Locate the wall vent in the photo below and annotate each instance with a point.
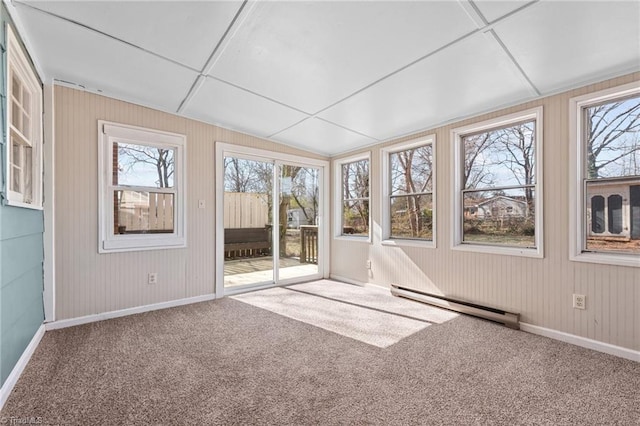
(509, 319)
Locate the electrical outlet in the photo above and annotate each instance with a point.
(579, 301)
(201, 204)
(153, 278)
(368, 264)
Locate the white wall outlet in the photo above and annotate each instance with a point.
(153, 278)
(201, 204)
(368, 264)
(579, 301)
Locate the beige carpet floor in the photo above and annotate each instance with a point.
(231, 362)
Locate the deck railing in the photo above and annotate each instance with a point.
(308, 244)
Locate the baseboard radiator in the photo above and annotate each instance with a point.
(509, 319)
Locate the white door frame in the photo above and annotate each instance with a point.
(225, 149)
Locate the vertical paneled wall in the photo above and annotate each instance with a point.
(540, 289)
(91, 283)
(21, 257)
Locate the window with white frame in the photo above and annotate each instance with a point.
(142, 188)
(498, 185)
(606, 219)
(24, 129)
(408, 185)
(352, 189)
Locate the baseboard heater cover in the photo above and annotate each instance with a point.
(509, 319)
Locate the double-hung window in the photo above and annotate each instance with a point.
(605, 129)
(352, 204)
(142, 188)
(24, 129)
(408, 185)
(498, 185)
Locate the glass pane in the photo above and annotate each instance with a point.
(355, 218)
(615, 214)
(16, 116)
(16, 87)
(140, 165)
(138, 212)
(27, 174)
(500, 157)
(26, 99)
(412, 217)
(26, 126)
(500, 217)
(355, 179)
(597, 214)
(248, 218)
(613, 139)
(411, 170)
(299, 209)
(16, 166)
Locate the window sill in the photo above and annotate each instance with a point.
(356, 239)
(14, 203)
(505, 251)
(408, 243)
(141, 244)
(630, 260)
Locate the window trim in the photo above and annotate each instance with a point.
(18, 61)
(457, 204)
(386, 193)
(577, 190)
(109, 242)
(337, 199)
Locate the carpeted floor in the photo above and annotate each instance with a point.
(230, 362)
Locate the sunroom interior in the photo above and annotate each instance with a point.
(473, 152)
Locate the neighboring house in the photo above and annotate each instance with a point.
(297, 218)
(499, 207)
(613, 209)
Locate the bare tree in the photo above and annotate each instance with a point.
(406, 166)
(162, 160)
(475, 162)
(612, 138)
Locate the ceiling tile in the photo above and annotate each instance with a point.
(219, 103)
(471, 77)
(563, 44)
(494, 9)
(186, 32)
(72, 53)
(312, 54)
(322, 137)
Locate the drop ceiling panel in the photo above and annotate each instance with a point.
(72, 53)
(471, 77)
(219, 103)
(311, 54)
(186, 32)
(322, 137)
(494, 9)
(563, 44)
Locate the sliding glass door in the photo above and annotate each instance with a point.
(270, 228)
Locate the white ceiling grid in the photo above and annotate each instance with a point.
(331, 77)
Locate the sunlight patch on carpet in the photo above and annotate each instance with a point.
(358, 313)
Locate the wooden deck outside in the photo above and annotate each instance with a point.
(256, 270)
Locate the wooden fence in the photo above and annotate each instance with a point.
(308, 244)
(245, 210)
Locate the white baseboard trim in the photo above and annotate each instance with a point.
(124, 312)
(358, 283)
(15, 374)
(582, 341)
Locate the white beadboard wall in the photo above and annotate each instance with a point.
(88, 283)
(540, 289)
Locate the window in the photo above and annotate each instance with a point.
(408, 184)
(24, 129)
(142, 187)
(605, 128)
(352, 190)
(498, 184)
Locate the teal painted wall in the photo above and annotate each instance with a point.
(21, 258)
